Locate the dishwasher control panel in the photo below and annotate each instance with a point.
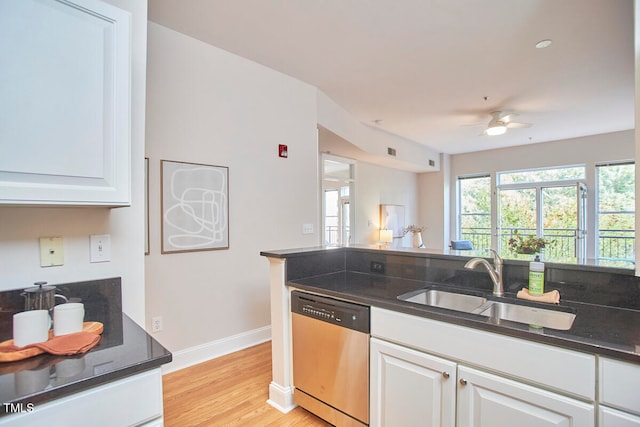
(347, 314)
(312, 311)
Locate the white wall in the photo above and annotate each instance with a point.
(373, 142)
(205, 105)
(434, 209)
(376, 185)
(21, 228)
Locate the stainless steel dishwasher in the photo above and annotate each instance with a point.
(331, 358)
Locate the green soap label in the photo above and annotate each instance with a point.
(536, 282)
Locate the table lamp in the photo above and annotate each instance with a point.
(386, 236)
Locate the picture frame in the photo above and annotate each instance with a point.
(147, 250)
(392, 218)
(194, 207)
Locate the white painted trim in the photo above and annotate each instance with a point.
(202, 353)
(281, 398)
(281, 388)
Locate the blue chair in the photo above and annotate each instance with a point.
(461, 245)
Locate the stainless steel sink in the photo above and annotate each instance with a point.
(496, 311)
(533, 316)
(444, 299)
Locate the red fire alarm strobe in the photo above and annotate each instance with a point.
(283, 151)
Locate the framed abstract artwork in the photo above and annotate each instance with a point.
(194, 207)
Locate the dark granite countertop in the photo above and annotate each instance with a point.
(125, 348)
(599, 329)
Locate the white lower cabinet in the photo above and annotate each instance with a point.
(430, 373)
(619, 393)
(131, 401)
(608, 417)
(410, 388)
(489, 400)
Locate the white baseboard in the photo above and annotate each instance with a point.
(202, 353)
(281, 398)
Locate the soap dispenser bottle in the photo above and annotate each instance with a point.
(536, 276)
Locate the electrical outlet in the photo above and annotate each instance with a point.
(377, 267)
(100, 248)
(156, 324)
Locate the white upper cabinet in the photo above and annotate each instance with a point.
(64, 103)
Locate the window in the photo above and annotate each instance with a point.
(552, 204)
(616, 212)
(547, 203)
(571, 173)
(474, 218)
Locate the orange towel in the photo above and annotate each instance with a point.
(63, 345)
(11, 353)
(552, 297)
(67, 345)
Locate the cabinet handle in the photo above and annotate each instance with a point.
(463, 381)
(446, 375)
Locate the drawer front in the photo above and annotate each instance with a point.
(564, 370)
(130, 401)
(620, 385)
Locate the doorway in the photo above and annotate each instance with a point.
(338, 183)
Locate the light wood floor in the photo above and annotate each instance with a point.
(231, 390)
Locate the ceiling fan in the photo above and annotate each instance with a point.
(501, 121)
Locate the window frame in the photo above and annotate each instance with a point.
(598, 212)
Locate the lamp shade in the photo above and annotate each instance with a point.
(386, 236)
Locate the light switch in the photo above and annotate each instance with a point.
(51, 251)
(100, 248)
(307, 228)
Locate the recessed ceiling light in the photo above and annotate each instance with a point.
(543, 43)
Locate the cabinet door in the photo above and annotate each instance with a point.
(65, 109)
(612, 418)
(490, 401)
(620, 385)
(410, 388)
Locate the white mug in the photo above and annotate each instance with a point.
(68, 318)
(31, 327)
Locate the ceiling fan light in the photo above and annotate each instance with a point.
(496, 130)
(543, 44)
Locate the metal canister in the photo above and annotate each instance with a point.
(41, 297)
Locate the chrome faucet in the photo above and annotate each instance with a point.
(495, 272)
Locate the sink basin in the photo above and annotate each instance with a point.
(534, 316)
(444, 299)
(558, 318)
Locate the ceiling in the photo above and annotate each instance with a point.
(433, 70)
